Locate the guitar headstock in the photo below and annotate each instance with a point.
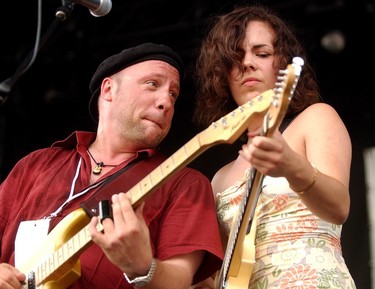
(284, 88)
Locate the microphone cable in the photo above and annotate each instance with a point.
(7, 84)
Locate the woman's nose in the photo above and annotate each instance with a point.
(248, 63)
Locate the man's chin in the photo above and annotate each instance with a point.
(154, 139)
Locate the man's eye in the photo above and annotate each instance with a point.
(173, 94)
(152, 83)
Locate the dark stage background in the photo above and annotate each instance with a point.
(50, 100)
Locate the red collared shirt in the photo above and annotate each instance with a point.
(41, 182)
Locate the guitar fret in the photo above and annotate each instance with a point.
(70, 248)
(38, 275)
(58, 258)
(65, 251)
(77, 240)
(47, 267)
(43, 270)
(51, 264)
(55, 259)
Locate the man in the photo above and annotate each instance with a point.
(167, 241)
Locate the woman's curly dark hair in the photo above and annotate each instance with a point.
(219, 53)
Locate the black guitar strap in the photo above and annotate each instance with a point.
(122, 181)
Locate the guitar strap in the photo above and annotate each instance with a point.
(122, 181)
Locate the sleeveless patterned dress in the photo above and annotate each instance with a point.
(294, 249)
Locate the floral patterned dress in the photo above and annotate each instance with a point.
(294, 249)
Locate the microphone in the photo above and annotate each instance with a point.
(97, 8)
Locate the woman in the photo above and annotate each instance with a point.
(306, 163)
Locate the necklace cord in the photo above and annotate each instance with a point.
(99, 165)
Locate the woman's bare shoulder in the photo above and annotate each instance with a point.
(322, 109)
(219, 180)
(319, 115)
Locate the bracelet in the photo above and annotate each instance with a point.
(143, 280)
(300, 192)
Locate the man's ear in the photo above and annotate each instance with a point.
(107, 88)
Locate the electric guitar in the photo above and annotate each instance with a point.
(239, 257)
(55, 265)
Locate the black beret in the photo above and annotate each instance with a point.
(128, 57)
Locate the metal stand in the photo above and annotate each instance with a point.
(62, 13)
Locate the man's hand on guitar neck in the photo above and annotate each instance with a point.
(10, 277)
(125, 240)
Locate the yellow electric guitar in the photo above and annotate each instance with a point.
(55, 265)
(239, 255)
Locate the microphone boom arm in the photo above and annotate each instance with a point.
(6, 85)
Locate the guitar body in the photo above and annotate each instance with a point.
(45, 276)
(244, 266)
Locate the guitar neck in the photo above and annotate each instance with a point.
(168, 168)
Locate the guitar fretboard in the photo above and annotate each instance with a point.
(61, 257)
